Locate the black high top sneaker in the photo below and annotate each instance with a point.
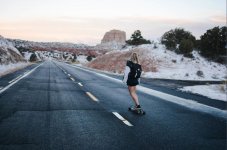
(138, 107)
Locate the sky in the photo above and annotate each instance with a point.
(86, 21)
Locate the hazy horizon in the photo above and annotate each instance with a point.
(87, 21)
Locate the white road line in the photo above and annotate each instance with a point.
(1, 87)
(122, 119)
(29, 72)
(92, 96)
(118, 116)
(72, 79)
(26, 72)
(19, 76)
(191, 104)
(15, 79)
(69, 75)
(80, 84)
(127, 123)
(12, 80)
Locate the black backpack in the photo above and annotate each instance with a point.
(135, 70)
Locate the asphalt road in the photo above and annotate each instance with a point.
(50, 108)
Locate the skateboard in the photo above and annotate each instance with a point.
(137, 111)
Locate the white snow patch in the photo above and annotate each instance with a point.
(5, 69)
(174, 66)
(214, 91)
(82, 59)
(27, 55)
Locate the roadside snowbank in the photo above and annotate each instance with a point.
(6, 69)
(214, 91)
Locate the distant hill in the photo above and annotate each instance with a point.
(54, 46)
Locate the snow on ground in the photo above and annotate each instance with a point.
(161, 63)
(174, 66)
(82, 59)
(27, 55)
(8, 53)
(38, 56)
(5, 69)
(6, 44)
(214, 91)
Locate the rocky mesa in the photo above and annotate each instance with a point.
(114, 36)
(112, 40)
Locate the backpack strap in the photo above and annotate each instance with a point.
(129, 64)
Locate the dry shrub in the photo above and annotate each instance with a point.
(114, 62)
(150, 65)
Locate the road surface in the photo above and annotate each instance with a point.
(55, 106)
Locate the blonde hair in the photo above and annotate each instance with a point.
(135, 58)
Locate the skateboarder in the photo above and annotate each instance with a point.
(132, 78)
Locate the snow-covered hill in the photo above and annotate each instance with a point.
(8, 53)
(161, 63)
(10, 58)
